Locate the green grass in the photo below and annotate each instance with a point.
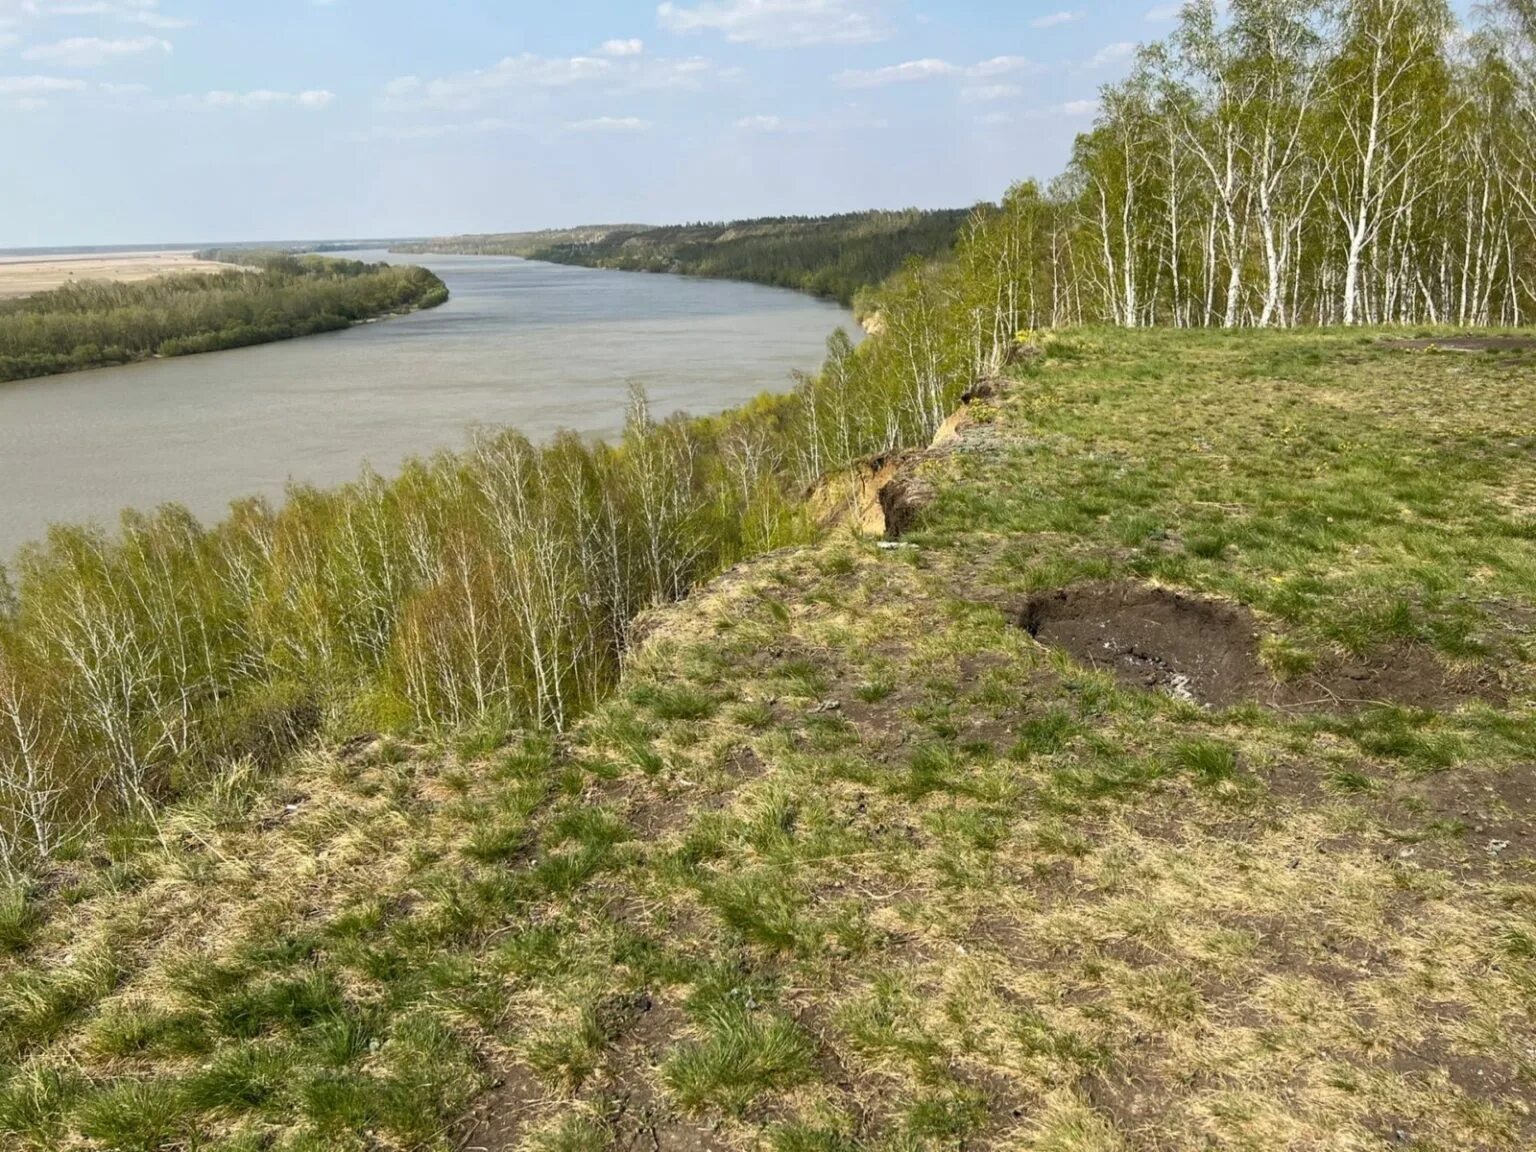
(741, 1056)
(18, 919)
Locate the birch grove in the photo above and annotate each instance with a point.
(495, 587)
(1282, 163)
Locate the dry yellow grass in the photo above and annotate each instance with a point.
(27, 275)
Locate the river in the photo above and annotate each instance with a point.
(540, 347)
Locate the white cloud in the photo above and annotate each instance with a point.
(610, 124)
(770, 125)
(918, 70)
(407, 132)
(266, 98)
(621, 48)
(1001, 66)
(776, 23)
(145, 12)
(93, 51)
(7, 39)
(989, 92)
(123, 89)
(1165, 13)
(37, 85)
(1071, 110)
(469, 91)
(1055, 19)
(905, 73)
(1112, 54)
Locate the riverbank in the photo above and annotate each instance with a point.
(92, 324)
(831, 257)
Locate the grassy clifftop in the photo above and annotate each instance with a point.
(1167, 785)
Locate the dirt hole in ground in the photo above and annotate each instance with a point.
(1207, 652)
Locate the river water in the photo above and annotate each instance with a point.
(537, 346)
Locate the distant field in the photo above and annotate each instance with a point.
(25, 275)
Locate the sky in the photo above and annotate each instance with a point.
(165, 121)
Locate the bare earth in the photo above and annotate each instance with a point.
(24, 275)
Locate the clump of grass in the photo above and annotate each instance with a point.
(761, 907)
(804, 678)
(1415, 737)
(36, 1102)
(742, 1055)
(242, 1078)
(1042, 735)
(135, 1116)
(839, 563)
(497, 842)
(1517, 944)
(19, 920)
(480, 740)
(1211, 762)
(796, 1137)
(670, 703)
(1209, 546)
(1348, 782)
(134, 1029)
(575, 1134)
(755, 715)
(946, 1116)
(36, 1005)
(876, 689)
(290, 1003)
(1285, 659)
(568, 1054)
(933, 768)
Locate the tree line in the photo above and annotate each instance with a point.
(1321, 162)
(830, 256)
(272, 297)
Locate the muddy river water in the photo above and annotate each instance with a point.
(536, 346)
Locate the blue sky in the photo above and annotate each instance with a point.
(129, 121)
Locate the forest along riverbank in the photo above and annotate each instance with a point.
(534, 346)
(251, 298)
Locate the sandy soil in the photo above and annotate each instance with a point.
(24, 275)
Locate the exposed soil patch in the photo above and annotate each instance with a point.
(855, 497)
(501, 1115)
(1465, 344)
(902, 502)
(1207, 652)
(1198, 650)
